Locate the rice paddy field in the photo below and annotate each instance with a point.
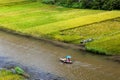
(35, 14)
(63, 24)
(105, 35)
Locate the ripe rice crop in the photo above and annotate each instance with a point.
(72, 23)
(95, 31)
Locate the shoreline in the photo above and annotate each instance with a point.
(54, 42)
(35, 74)
(60, 44)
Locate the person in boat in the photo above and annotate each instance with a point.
(68, 58)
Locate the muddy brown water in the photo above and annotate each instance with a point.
(45, 56)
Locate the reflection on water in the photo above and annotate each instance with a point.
(46, 56)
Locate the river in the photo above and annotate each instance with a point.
(45, 56)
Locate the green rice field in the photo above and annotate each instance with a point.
(63, 24)
(9, 1)
(26, 16)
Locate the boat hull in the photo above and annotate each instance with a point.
(63, 60)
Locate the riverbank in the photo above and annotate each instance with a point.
(35, 74)
(53, 24)
(60, 44)
(53, 42)
(45, 56)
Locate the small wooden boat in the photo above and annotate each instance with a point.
(64, 61)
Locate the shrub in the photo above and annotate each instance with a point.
(91, 4)
(111, 4)
(48, 1)
(76, 5)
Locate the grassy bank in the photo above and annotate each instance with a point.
(63, 24)
(108, 45)
(8, 75)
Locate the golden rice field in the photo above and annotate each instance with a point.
(95, 31)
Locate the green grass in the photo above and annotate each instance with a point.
(8, 75)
